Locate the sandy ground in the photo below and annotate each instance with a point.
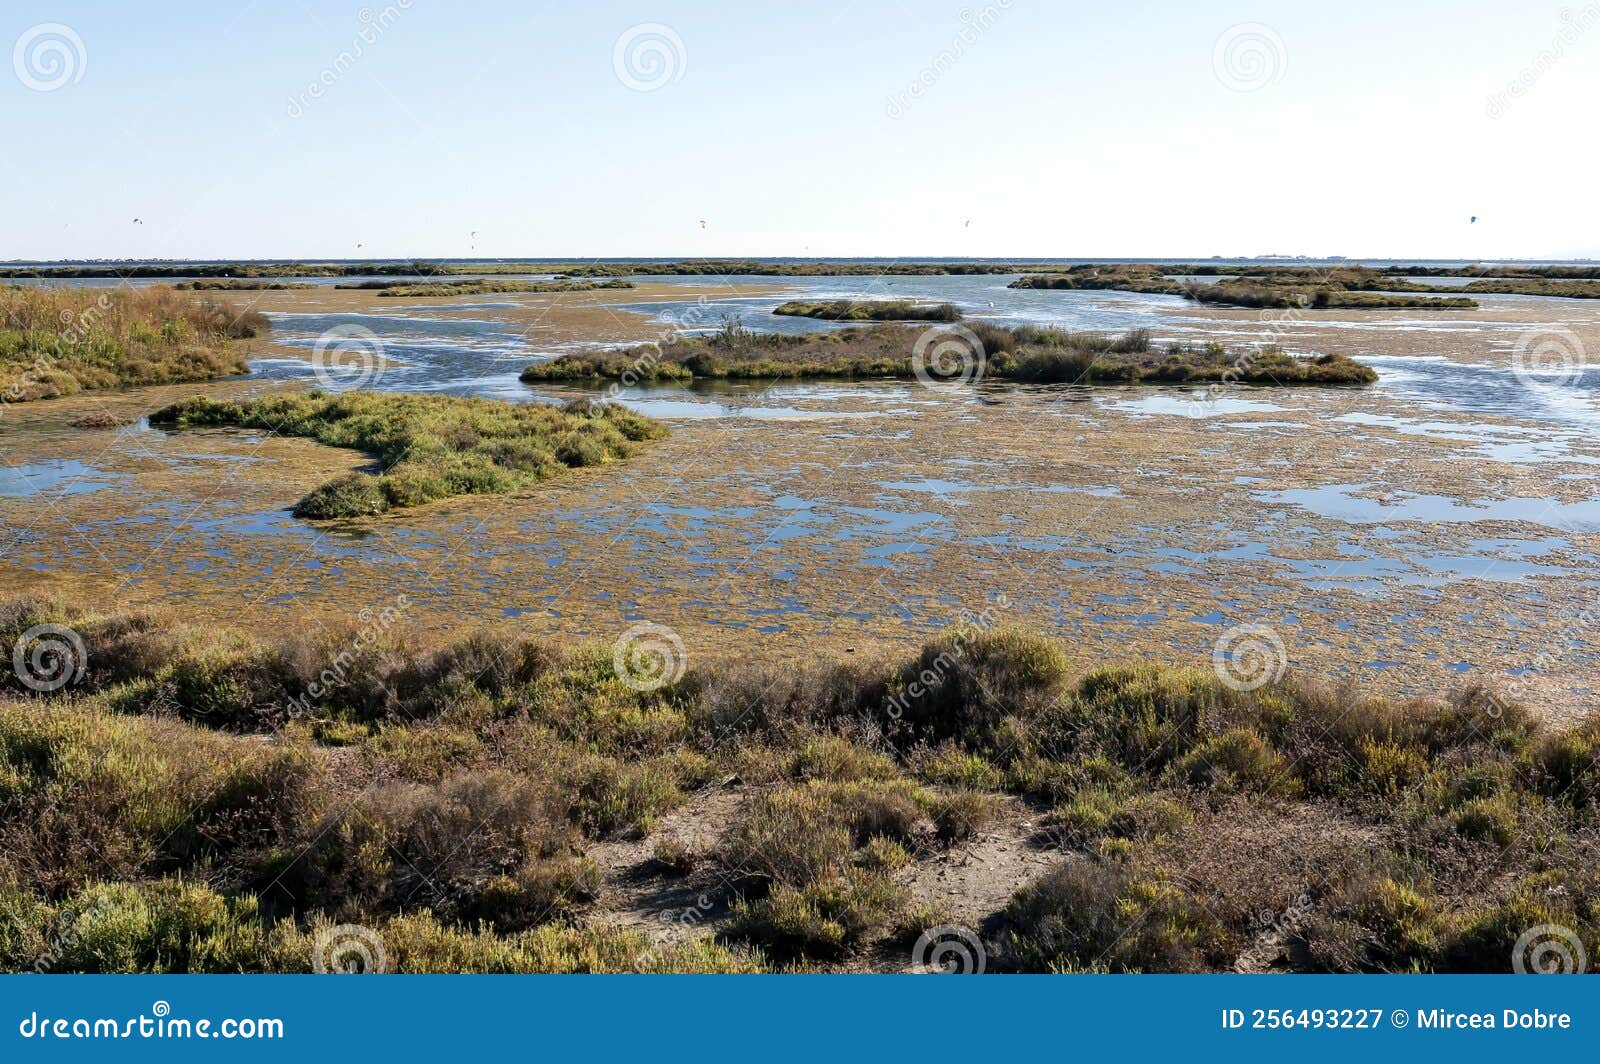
(967, 886)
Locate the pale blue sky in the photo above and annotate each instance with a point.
(1060, 129)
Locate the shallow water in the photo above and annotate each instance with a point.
(53, 476)
(1441, 519)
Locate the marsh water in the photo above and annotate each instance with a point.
(1444, 522)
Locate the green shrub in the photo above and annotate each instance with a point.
(161, 927)
(820, 919)
(1095, 815)
(1236, 759)
(809, 833)
(839, 760)
(1488, 820)
(1377, 924)
(418, 944)
(963, 687)
(1086, 915)
(955, 767)
(352, 495)
(963, 814)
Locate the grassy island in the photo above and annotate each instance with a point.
(870, 310)
(241, 284)
(1304, 289)
(470, 287)
(1536, 286)
(429, 447)
(891, 351)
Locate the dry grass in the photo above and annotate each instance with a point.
(447, 798)
(61, 341)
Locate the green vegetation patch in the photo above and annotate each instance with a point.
(871, 310)
(963, 353)
(240, 284)
(1538, 287)
(430, 447)
(1276, 288)
(1328, 297)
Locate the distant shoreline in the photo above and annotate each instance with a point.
(1029, 261)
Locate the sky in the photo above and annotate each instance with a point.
(992, 128)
